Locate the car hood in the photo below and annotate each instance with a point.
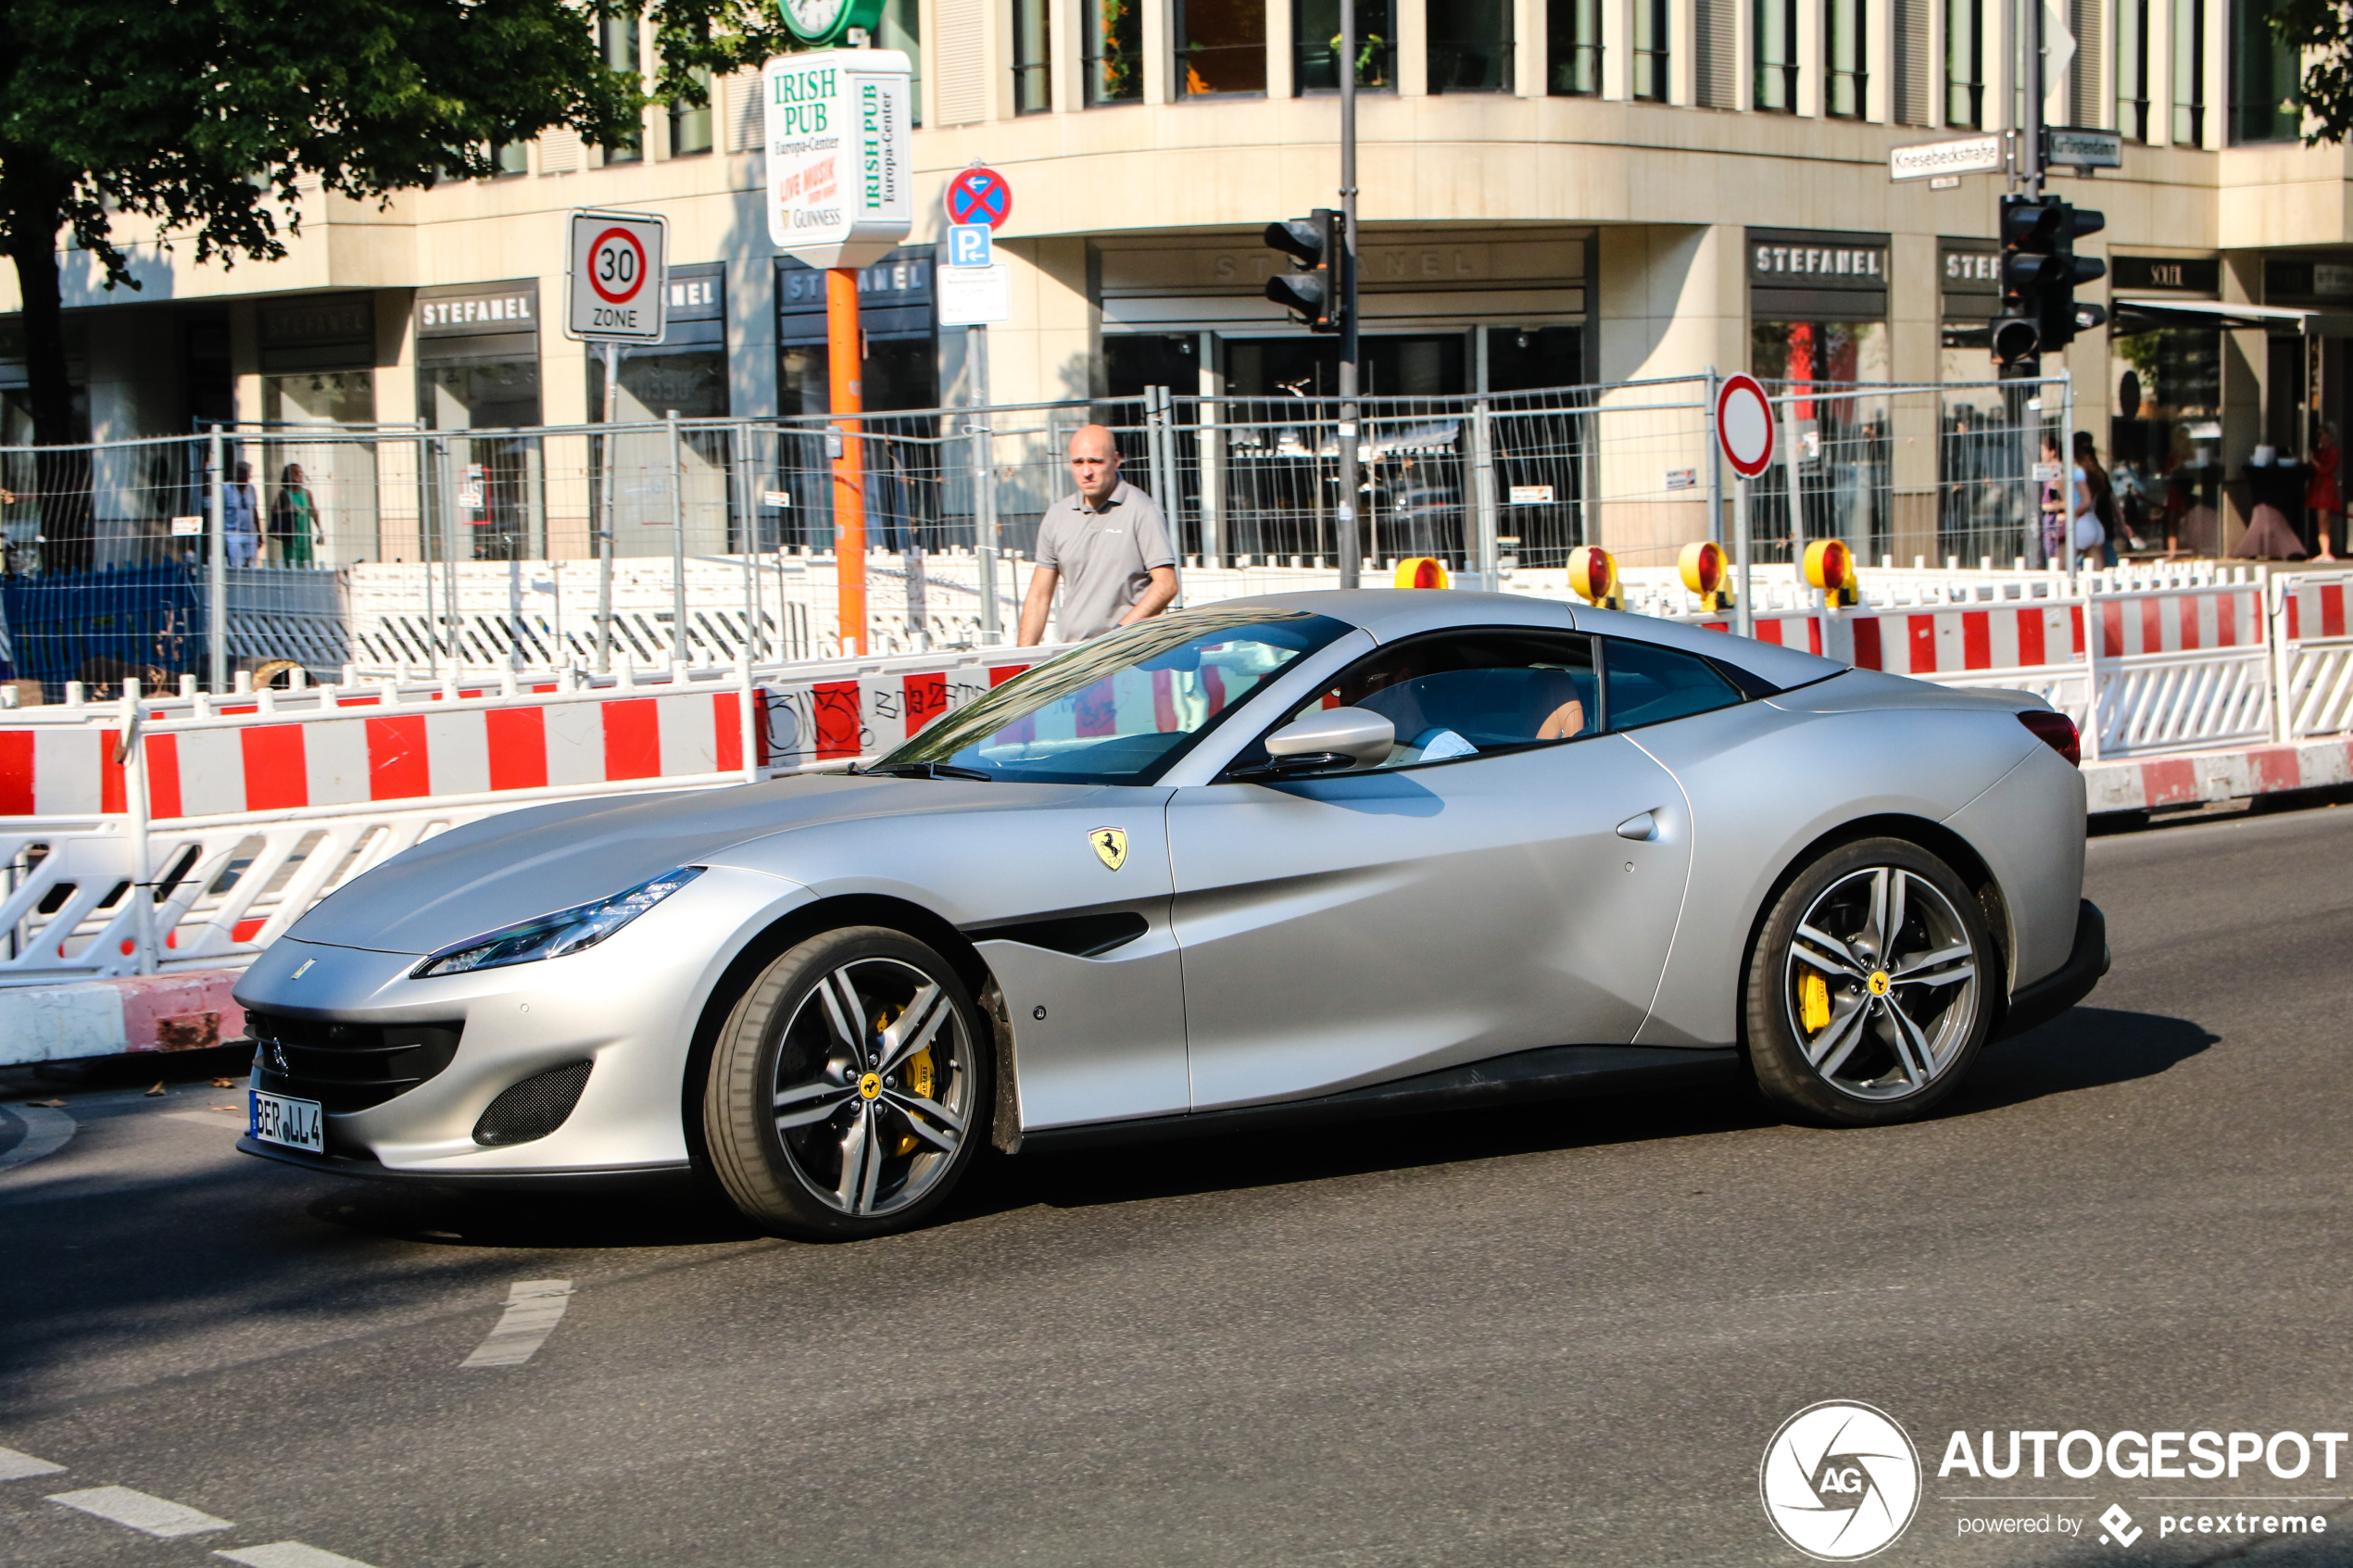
(540, 859)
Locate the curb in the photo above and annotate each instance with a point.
(162, 1012)
(2197, 778)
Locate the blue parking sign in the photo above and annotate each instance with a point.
(968, 246)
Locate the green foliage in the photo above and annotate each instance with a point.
(202, 114)
(2325, 26)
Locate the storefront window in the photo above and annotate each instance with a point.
(2264, 89)
(497, 495)
(1315, 44)
(1033, 57)
(2165, 437)
(1114, 57)
(320, 495)
(1965, 63)
(1777, 56)
(1833, 448)
(1221, 47)
(1573, 48)
(1470, 44)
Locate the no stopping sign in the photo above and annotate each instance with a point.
(619, 278)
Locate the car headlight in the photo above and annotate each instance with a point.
(552, 936)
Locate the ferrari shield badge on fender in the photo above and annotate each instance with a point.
(1111, 846)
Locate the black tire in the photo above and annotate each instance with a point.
(1841, 1033)
(872, 1133)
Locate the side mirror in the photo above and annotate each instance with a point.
(1356, 735)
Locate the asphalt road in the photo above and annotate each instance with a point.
(1559, 1336)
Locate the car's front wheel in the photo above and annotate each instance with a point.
(1871, 988)
(849, 1087)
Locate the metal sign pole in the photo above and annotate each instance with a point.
(217, 574)
(1714, 463)
(450, 470)
(845, 356)
(1350, 537)
(604, 513)
(677, 546)
(1744, 600)
(984, 485)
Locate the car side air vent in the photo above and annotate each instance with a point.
(533, 1108)
(1083, 936)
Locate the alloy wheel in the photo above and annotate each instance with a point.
(1880, 984)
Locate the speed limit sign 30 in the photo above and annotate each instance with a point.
(619, 287)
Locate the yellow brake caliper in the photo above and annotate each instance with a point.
(1813, 1001)
(919, 1075)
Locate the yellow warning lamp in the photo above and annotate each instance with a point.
(1422, 571)
(1593, 573)
(1705, 574)
(1830, 566)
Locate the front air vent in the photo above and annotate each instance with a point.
(533, 1108)
(346, 1067)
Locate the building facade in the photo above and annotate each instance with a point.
(1555, 191)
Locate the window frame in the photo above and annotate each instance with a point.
(1855, 14)
(1787, 68)
(1566, 53)
(1033, 58)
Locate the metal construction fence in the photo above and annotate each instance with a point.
(261, 549)
(155, 832)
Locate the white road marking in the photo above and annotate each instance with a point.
(45, 1131)
(228, 1116)
(157, 1516)
(15, 1466)
(289, 1554)
(533, 1308)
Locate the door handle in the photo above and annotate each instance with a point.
(1642, 829)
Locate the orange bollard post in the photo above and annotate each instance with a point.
(845, 363)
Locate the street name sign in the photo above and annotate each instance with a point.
(617, 287)
(2084, 149)
(1955, 154)
(839, 176)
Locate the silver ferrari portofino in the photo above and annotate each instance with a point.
(1304, 855)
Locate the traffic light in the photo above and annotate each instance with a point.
(1310, 291)
(2040, 273)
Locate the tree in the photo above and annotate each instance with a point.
(200, 116)
(2325, 27)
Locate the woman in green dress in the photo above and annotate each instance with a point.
(294, 521)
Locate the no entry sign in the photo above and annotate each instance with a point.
(1745, 426)
(619, 288)
(979, 195)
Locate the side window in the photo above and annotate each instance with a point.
(1469, 694)
(1649, 684)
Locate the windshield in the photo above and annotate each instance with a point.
(1121, 708)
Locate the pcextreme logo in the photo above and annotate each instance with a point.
(1839, 1480)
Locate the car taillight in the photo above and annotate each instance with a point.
(2056, 729)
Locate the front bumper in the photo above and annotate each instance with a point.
(2066, 985)
(627, 1007)
(607, 1178)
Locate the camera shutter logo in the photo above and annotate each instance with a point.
(1840, 1481)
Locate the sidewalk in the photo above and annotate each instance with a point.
(2229, 774)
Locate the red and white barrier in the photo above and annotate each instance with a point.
(2201, 777)
(174, 1012)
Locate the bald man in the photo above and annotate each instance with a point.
(1109, 541)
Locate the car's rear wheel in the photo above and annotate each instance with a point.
(849, 1087)
(1871, 988)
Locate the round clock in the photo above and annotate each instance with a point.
(825, 21)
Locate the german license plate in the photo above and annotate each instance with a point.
(293, 1122)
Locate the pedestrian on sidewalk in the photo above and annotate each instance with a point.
(1109, 541)
(241, 517)
(2322, 496)
(293, 517)
(2092, 511)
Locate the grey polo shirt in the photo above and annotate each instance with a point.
(1105, 557)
